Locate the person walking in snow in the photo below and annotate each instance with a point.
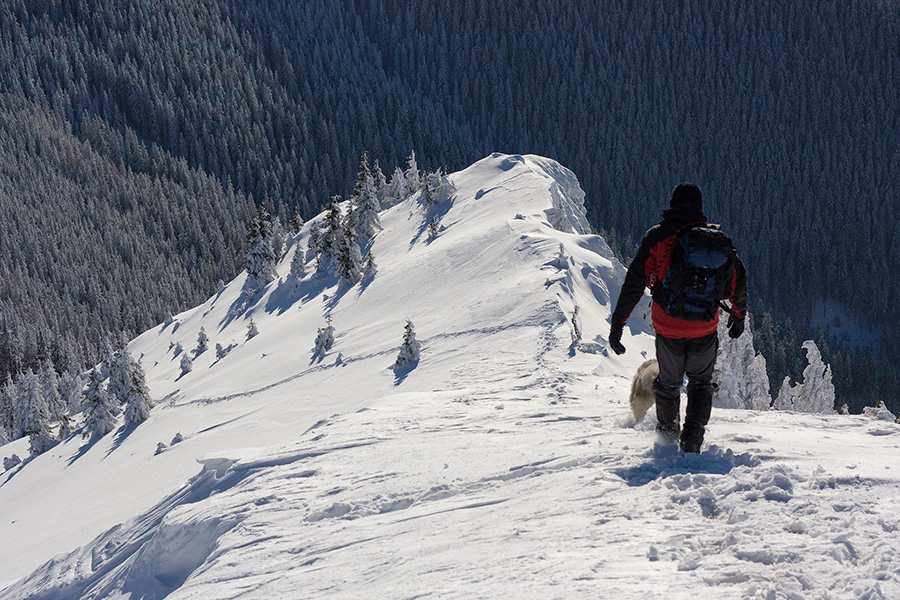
(690, 266)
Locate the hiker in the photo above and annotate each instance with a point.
(687, 293)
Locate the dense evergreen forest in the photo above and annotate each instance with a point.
(138, 136)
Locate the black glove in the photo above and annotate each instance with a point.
(615, 340)
(735, 327)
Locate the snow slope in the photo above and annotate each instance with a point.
(504, 463)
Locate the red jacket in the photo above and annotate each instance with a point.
(650, 265)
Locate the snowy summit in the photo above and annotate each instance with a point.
(440, 417)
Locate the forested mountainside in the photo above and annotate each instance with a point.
(784, 113)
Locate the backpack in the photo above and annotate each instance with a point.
(701, 268)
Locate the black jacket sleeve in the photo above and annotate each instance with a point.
(635, 282)
(739, 294)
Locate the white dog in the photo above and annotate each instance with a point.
(642, 394)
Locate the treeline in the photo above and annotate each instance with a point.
(785, 113)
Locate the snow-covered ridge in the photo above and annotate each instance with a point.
(502, 463)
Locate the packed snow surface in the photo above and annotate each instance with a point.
(504, 463)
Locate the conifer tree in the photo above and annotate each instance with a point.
(35, 414)
(410, 349)
(137, 401)
(7, 403)
(380, 184)
(816, 393)
(261, 255)
(187, 365)
(740, 373)
(412, 178)
(332, 232)
(296, 223)
(98, 415)
(298, 264)
(349, 259)
(4, 437)
(252, 330)
(370, 269)
(202, 342)
(57, 406)
(324, 337)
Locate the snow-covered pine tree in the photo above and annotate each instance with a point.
(380, 183)
(70, 389)
(252, 330)
(296, 223)
(220, 352)
(98, 416)
(785, 398)
(412, 178)
(4, 437)
(57, 407)
(437, 188)
(261, 257)
(370, 269)
(187, 365)
(279, 236)
(324, 337)
(35, 414)
(816, 394)
(137, 402)
(314, 242)
(410, 349)
(740, 372)
(107, 358)
(434, 229)
(364, 206)
(298, 264)
(202, 342)
(332, 229)
(395, 190)
(348, 262)
(8, 395)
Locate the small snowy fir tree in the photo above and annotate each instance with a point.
(138, 402)
(119, 380)
(36, 415)
(296, 223)
(434, 229)
(202, 342)
(107, 358)
(740, 372)
(314, 242)
(349, 259)
(252, 330)
(370, 269)
(879, 412)
(324, 338)
(410, 349)
(178, 348)
(220, 352)
(8, 394)
(11, 462)
(70, 388)
(412, 178)
(98, 417)
(4, 437)
(331, 232)
(816, 394)
(437, 188)
(187, 365)
(379, 183)
(57, 406)
(785, 399)
(260, 259)
(363, 217)
(298, 264)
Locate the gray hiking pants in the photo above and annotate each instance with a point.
(696, 358)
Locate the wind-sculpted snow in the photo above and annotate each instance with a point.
(504, 463)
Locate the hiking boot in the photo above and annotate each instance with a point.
(692, 438)
(668, 433)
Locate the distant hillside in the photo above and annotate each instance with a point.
(785, 114)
